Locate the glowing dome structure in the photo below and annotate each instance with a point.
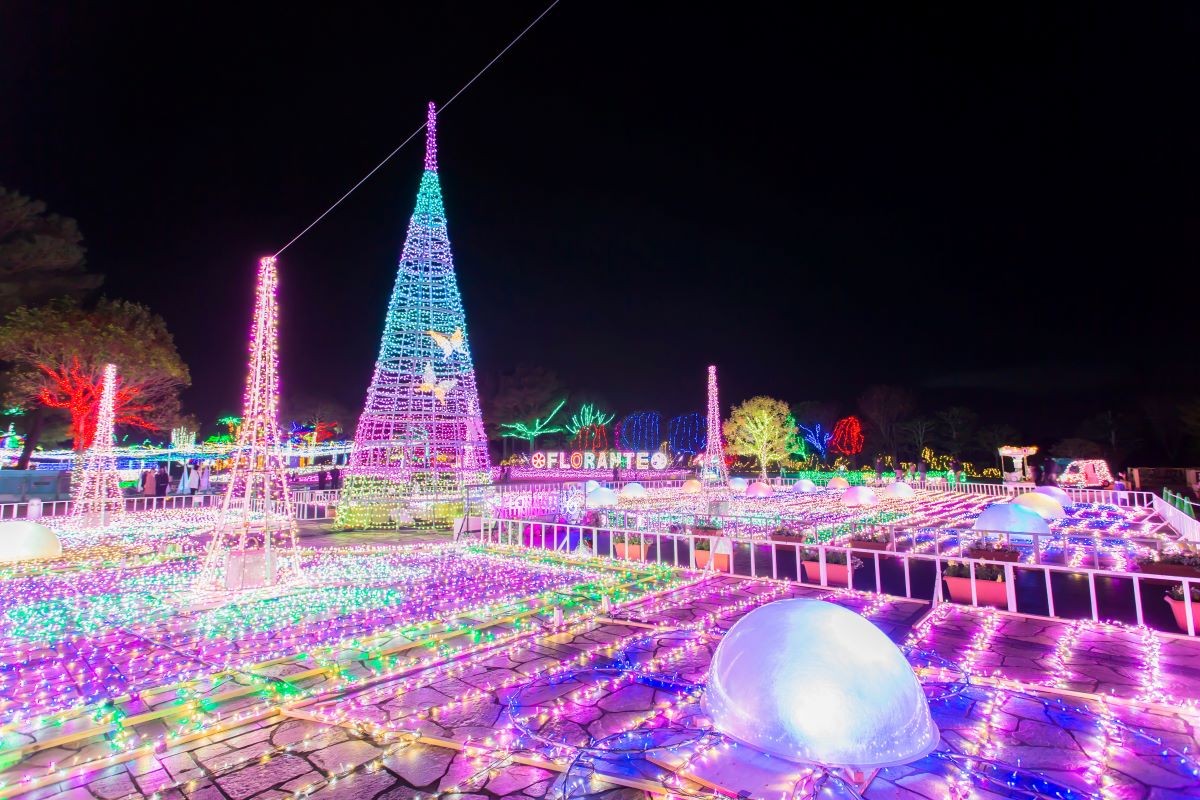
(899, 491)
(601, 498)
(838, 483)
(859, 496)
(814, 682)
(590, 485)
(759, 489)
(804, 486)
(1058, 494)
(1010, 518)
(22, 540)
(632, 490)
(738, 484)
(1043, 505)
(691, 486)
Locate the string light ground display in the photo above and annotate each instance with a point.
(254, 542)
(513, 672)
(97, 496)
(420, 438)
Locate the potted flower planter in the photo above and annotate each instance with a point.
(994, 554)
(869, 544)
(720, 560)
(988, 593)
(632, 552)
(835, 574)
(1178, 606)
(787, 538)
(1167, 568)
(1181, 613)
(990, 588)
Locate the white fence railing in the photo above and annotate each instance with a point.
(679, 549)
(1187, 527)
(58, 508)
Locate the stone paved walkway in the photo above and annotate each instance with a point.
(445, 727)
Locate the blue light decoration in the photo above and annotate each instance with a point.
(818, 439)
(640, 431)
(688, 434)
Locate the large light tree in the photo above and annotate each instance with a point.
(41, 255)
(957, 425)
(58, 352)
(764, 429)
(992, 437)
(884, 407)
(919, 432)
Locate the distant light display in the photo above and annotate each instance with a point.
(688, 434)
(97, 495)
(639, 431)
(589, 427)
(713, 469)
(817, 438)
(847, 437)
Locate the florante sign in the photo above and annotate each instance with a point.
(604, 459)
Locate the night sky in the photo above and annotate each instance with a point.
(997, 208)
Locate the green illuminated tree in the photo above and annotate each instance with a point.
(763, 428)
(530, 431)
(589, 426)
(957, 424)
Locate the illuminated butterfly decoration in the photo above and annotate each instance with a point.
(450, 344)
(430, 384)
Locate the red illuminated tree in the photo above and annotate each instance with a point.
(75, 389)
(847, 437)
(58, 352)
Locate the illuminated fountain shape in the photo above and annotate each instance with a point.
(813, 682)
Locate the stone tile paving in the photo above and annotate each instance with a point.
(375, 749)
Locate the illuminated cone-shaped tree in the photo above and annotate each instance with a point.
(713, 471)
(97, 496)
(254, 542)
(420, 438)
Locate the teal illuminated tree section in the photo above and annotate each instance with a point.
(421, 427)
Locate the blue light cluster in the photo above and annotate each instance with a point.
(688, 434)
(640, 431)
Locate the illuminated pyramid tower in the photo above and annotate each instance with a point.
(254, 542)
(420, 438)
(97, 496)
(713, 471)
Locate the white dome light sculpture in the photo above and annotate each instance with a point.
(759, 489)
(691, 486)
(1056, 493)
(601, 498)
(738, 484)
(1043, 505)
(1010, 518)
(838, 483)
(859, 496)
(590, 485)
(804, 486)
(899, 491)
(22, 540)
(633, 490)
(814, 682)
